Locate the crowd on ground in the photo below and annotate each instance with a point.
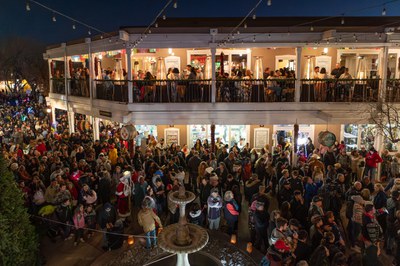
(331, 208)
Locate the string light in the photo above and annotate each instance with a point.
(156, 25)
(384, 12)
(164, 17)
(245, 25)
(28, 7)
(89, 32)
(269, 2)
(254, 16)
(54, 18)
(354, 36)
(311, 28)
(176, 4)
(380, 36)
(254, 38)
(238, 32)
(73, 26)
(340, 38)
(149, 31)
(342, 21)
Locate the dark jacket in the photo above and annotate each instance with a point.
(303, 251)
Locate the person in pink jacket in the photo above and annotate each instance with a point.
(371, 163)
(79, 222)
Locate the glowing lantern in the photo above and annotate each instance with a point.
(249, 247)
(233, 239)
(131, 240)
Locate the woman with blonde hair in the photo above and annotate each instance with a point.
(202, 171)
(317, 174)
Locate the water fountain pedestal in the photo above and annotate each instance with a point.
(182, 238)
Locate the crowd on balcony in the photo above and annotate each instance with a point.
(328, 208)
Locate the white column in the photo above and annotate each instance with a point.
(384, 66)
(96, 130)
(298, 75)
(378, 145)
(91, 71)
(213, 77)
(129, 70)
(53, 115)
(51, 89)
(71, 121)
(182, 259)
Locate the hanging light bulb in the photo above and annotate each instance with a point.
(176, 4)
(384, 12)
(354, 36)
(145, 35)
(254, 38)
(149, 31)
(28, 7)
(356, 39)
(164, 17)
(340, 38)
(238, 32)
(269, 35)
(342, 21)
(89, 32)
(156, 25)
(269, 2)
(311, 28)
(54, 18)
(101, 37)
(254, 16)
(380, 36)
(245, 25)
(73, 26)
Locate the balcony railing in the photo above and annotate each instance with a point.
(339, 90)
(233, 90)
(255, 90)
(393, 90)
(78, 87)
(155, 91)
(58, 85)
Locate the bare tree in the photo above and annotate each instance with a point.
(385, 116)
(22, 59)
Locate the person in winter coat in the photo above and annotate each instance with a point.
(147, 219)
(299, 208)
(356, 220)
(261, 221)
(79, 222)
(106, 219)
(231, 212)
(64, 215)
(380, 201)
(214, 205)
(90, 219)
(371, 163)
(196, 215)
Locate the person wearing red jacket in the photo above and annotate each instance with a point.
(371, 163)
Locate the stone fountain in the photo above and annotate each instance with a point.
(182, 238)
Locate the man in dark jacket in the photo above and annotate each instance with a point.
(329, 158)
(295, 182)
(193, 166)
(299, 208)
(303, 250)
(286, 193)
(64, 215)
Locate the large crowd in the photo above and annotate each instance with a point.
(331, 208)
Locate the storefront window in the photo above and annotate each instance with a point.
(350, 137)
(368, 133)
(284, 135)
(144, 131)
(228, 134)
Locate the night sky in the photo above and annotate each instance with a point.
(109, 15)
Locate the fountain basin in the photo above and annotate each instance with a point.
(199, 258)
(167, 237)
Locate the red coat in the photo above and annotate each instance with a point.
(372, 160)
(41, 148)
